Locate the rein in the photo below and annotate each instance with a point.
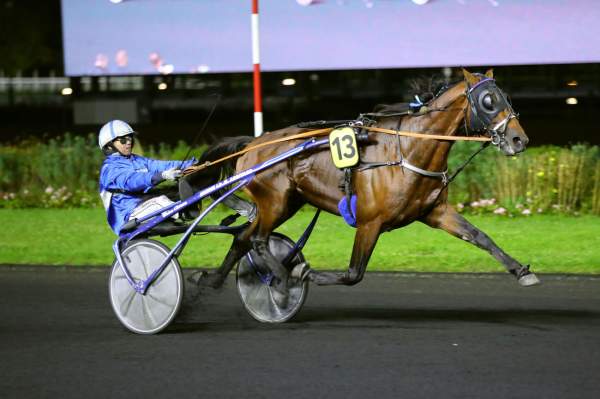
(325, 131)
(425, 136)
(311, 133)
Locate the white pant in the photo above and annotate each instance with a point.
(152, 205)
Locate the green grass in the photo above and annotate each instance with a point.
(551, 244)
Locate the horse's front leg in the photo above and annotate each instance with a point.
(446, 218)
(364, 243)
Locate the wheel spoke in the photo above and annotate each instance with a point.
(136, 264)
(160, 300)
(148, 312)
(257, 292)
(147, 261)
(164, 273)
(258, 297)
(120, 277)
(126, 304)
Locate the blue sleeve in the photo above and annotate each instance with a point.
(115, 175)
(120, 177)
(157, 166)
(189, 162)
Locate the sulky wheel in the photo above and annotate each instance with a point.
(255, 292)
(152, 312)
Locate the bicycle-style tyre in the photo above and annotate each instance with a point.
(155, 310)
(257, 296)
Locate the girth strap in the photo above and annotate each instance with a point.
(405, 164)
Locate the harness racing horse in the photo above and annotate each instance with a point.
(408, 184)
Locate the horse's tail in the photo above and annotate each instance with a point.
(212, 174)
(226, 146)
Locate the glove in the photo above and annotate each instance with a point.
(171, 174)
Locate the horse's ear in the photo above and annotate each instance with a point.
(469, 77)
(489, 73)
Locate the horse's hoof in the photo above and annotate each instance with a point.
(528, 280)
(195, 277)
(300, 271)
(212, 280)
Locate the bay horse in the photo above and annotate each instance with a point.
(388, 197)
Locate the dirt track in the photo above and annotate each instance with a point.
(393, 335)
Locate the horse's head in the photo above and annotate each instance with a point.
(490, 112)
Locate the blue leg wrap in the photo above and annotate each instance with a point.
(349, 215)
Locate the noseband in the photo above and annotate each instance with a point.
(486, 102)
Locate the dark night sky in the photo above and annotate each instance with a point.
(30, 37)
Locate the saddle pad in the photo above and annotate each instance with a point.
(349, 215)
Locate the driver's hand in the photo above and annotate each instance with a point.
(171, 174)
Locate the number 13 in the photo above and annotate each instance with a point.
(349, 146)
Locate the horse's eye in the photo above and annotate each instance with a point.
(487, 102)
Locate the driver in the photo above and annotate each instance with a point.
(125, 177)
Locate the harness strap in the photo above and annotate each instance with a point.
(322, 123)
(312, 133)
(443, 175)
(324, 131)
(348, 186)
(405, 164)
(388, 115)
(461, 167)
(425, 136)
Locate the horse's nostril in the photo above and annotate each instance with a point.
(517, 142)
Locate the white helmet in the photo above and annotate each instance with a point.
(112, 130)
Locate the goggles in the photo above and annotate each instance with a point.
(125, 139)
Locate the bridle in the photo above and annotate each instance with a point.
(486, 102)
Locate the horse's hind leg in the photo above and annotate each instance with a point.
(446, 218)
(254, 237)
(239, 247)
(364, 243)
(274, 208)
(267, 220)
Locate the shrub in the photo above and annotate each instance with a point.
(543, 179)
(64, 173)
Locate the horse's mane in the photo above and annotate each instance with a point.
(426, 88)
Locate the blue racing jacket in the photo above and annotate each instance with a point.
(124, 179)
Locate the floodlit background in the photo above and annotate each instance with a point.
(186, 36)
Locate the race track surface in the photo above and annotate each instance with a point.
(391, 336)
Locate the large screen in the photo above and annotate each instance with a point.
(121, 37)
